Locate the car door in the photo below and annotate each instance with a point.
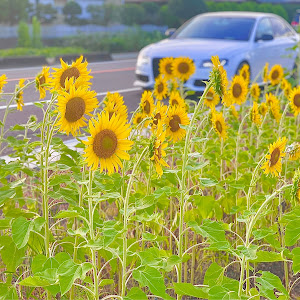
(285, 40)
(263, 50)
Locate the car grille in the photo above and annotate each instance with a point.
(155, 64)
(200, 83)
(143, 78)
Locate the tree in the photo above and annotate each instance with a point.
(151, 12)
(132, 14)
(104, 14)
(13, 11)
(36, 33)
(47, 13)
(71, 11)
(185, 9)
(23, 35)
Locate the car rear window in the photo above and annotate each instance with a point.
(224, 28)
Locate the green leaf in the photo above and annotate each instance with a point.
(21, 229)
(221, 293)
(267, 283)
(136, 294)
(249, 253)
(187, 289)
(205, 204)
(292, 232)
(34, 281)
(104, 282)
(296, 260)
(67, 214)
(214, 275)
(208, 182)
(151, 278)
(266, 256)
(194, 166)
(8, 292)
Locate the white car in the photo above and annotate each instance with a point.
(238, 38)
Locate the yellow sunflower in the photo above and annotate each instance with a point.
(147, 103)
(183, 68)
(275, 111)
(234, 111)
(295, 100)
(254, 114)
(211, 99)
(19, 94)
(119, 109)
(255, 91)
(166, 67)
(157, 147)
(219, 125)
(238, 89)
(245, 72)
(160, 88)
(159, 114)
(263, 109)
(276, 152)
(77, 70)
(115, 98)
(276, 74)
(294, 151)
(270, 99)
(218, 76)
(176, 100)
(2, 82)
(265, 72)
(138, 118)
(73, 105)
(296, 187)
(42, 81)
(108, 143)
(176, 116)
(227, 98)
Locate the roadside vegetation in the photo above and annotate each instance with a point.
(179, 199)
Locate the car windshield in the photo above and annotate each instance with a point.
(223, 28)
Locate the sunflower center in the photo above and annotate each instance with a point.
(297, 100)
(174, 123)
(139, 120)
(69, 73)
(42, 79)
(275, 75)
(209, 96)
(244, 74)
(219, 126)
(160, 87)
(274, 157)
(75, 109)
(156, 118)
(147, 107)
(174, 102)
(105, 143)
(168, 68)
(236, 90)
(183, 68)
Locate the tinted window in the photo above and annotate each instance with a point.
(225, 28)
(280, 28)
(264, 27)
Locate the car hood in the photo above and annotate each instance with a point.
(195, 48)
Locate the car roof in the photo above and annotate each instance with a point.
(241, 14)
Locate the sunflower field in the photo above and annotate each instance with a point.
(181, 199)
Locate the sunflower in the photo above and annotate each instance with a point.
(265, 72)
(263, 109)
(218, 76)
(295, 100)
(276, 152)
(2, 82)
(147, 103)
(42, 81)
(108, 143)
(77, 70)
(138, 118)
(238, 89)
(176, 100)
(19, 94)
(270, 99)
(255, 91)
(275, 111)
(294, 151)
(166, 67)
(115, 98)
(160, 88)
(183, 68)
(296, 187)
(159, 114)
(119, 109)
(276, 74)
(176, 116)
(227, 99)
(219, 125)
(254, 114)
(157, 147)
(73, 105)
(211, 99)
(234, 112)
(245, 72)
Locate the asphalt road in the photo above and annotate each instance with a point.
(113, 76)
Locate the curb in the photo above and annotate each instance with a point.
(31, 61)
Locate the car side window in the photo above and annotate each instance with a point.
(280, 29)
(264, 27)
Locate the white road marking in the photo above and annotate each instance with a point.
(98, 94)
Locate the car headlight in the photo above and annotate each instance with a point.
(143, 60)
(209, 64)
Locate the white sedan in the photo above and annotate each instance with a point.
(238, 38)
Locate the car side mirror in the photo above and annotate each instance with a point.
(169, 32)
(265, 37)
